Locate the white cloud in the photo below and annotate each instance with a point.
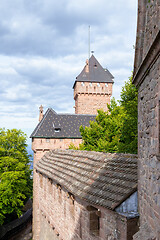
(44, 45)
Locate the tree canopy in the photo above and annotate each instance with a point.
(15, 182)
(116, 129)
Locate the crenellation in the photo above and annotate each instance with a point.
(92, 89)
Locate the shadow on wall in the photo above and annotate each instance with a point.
(96, 222)
(98, 184)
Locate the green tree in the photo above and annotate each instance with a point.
(115, 130)
(129, 132)
(15, 182)
(104, 134)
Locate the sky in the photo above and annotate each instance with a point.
(44, 46)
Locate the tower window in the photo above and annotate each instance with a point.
(57, 130)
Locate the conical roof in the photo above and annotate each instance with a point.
(94, 72)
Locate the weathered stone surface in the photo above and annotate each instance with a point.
(147, 78)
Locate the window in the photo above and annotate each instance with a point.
(82, 83)
(61, 140)
(94, 220)
(47, 140)
(57, 130)
(98, 84)
(90, 84)
(106, 84)
(41, 180)
(86, 88)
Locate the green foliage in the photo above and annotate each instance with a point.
(72, 146)
(129, 132)
(104, 133)
(15, 182)
(115, 130)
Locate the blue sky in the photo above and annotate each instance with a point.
(44, 46)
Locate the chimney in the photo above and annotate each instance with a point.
(40, 113)
(87, 66)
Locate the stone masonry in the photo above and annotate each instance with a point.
(90, 97)
(92, 88)
(62, 218)
(69, 199)
(147, 79)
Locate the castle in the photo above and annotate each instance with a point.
(81, 195)
(93, 196)
(92, 91)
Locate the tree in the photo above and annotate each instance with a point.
(15, 182)
(115, 130)
(104, 133)
(129, 132)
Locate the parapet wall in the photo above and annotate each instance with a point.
(91, 96)
(62, 217)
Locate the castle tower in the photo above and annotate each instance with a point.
(92, 88)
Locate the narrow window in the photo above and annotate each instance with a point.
(94, 220)
(82, 83)
(47, 140)
(90, 84)
(106, 84)
(86, 88)
(98, 84)
(41, 180)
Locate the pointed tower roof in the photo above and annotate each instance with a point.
(94, 72)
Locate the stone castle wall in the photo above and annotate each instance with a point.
(63, 217)
(40, 146)
(147, 28)
(149, 162)
(91, 96)
(147, 79)
(46, 144)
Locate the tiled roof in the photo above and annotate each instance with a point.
(96, 73)
(55, 125)
(103, 179)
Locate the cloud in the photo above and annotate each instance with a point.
(44, 45)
